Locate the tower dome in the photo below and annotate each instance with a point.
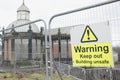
(22, 18)
(23, 12)
(22, 8)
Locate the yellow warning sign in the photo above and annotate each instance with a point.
(88, 35)
(92, 55)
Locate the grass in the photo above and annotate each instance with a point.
(31, 76)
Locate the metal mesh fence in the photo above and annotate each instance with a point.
(101, 74)
(115, 74)
(79, 73)
(16, 59)
(64, 22)
(85, 16)
(23, 51)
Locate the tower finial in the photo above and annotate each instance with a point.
(23, 2)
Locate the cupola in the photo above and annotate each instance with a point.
(23, 12)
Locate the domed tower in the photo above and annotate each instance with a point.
(23, 42)
(23, 12)
(23, 16)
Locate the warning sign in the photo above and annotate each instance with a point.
(91, 45)
(92, 55)
(88, 35)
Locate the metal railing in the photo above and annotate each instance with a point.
(89, 73)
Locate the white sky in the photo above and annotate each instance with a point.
(40, 9)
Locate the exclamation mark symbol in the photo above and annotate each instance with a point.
(88, 33)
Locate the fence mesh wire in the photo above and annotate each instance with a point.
(110, 13)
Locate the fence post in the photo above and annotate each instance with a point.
(84, 74)
(69, 68)
(110, 69)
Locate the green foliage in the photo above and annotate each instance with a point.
(7, 63)
(23, 63)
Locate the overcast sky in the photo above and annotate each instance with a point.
(40, 9)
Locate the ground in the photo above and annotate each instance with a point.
(30, 76)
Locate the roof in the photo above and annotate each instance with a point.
(25, 28)
(23, 7)
(63, 30)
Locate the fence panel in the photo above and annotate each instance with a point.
(98, 74)
(24, 50)
(116, 74)
(85, 16)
